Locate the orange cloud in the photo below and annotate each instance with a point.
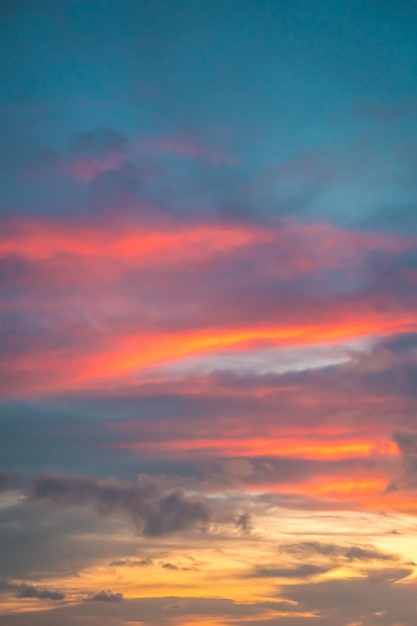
(300, 446)
(134, 352)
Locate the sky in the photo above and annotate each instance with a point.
(208, 296)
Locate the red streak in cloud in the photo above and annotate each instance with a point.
(270, 446)
(124, 354)
(304, 248)
(361, 491)
(115, 350)
(118, 355)
(40, 240)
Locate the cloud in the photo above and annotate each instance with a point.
(94, 153)
(166, 290)
(29, 591)
(40, 543)
(131, 563)
(9, 480)
(244, 522)
(175, 606)
(153, 512)
(98, 143)
(307, 549)
(406, 477)
(402, 343)
(23, 590)
(105, 596)
(358, 599)
(156, 611)
(103, 151)
(406, 442)
(301, 571)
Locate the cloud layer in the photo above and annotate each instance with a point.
(208, 331)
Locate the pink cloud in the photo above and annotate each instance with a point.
(128, 296)
(87, 169)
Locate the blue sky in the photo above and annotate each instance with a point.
(266, 82)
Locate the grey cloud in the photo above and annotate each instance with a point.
(244, 522)
(173, 512)
(100, 142)
(38, 543)
(9, 480)
(407, 477)
(350, 553)
(170, 566)
(359, 599)
(105, 596)
(23, 590)
(153, 611)
(175, 606)
(301, 571)
(153, 512)
(402, 342)
(131, 563)
(406, 442)
(47, 436)
(119, 187)
(29, 591)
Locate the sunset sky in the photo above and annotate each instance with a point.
(208, 313)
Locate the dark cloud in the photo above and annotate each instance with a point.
(307, 549)
(9, 480)
(301, 571)
(105, 596)
(131, 563)
(406, 442)
(39, 543)
(170, 566)
(100, 142)
(29, 591)
(117, 187)
(244, 522)
(153, 512)
(407, 477)
(175, 606)
(401, 343)
(23, 590)
(159, 611)
(359, 599)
